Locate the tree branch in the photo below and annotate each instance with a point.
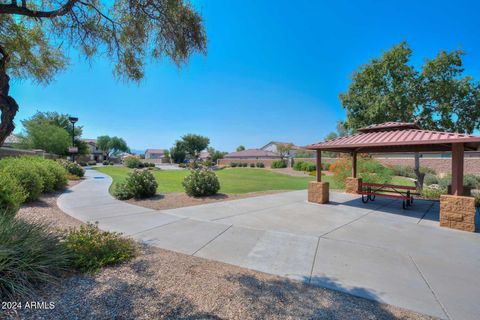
(13, 8)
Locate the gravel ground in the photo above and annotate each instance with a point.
(160, 284)
(174, 200)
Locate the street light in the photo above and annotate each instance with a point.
(73, 149)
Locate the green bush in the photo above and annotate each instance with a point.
(430, 179)
(477, 199)
(105, 163)
(309, 167)
(244, 164)
(12, 195)
(278, 164)
(233, 164)
(30, 254)
(325, 166)
(138, 185)
(132, 162)
(370, 170)
(53, 175)
(82, 163)
(72, 167)
(92, 163)
(472, 181)
(111, 163)
(260, 165)
(404, 171)
(252, 165)
(298, 165)
(26, 175)
(433, 191)
(201, 182)
(93, 249)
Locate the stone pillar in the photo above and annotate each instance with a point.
(318, 192)
(353, 185)
(457, 212)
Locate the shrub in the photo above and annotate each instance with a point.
(11, 195)
(92, 163)
(141, 165)
(252, 165)
(404, 171)
(308, 167)
(53, 175)
(26, 174)
(93, 249)
(132, 162)
(298, 165)
(477, 199)
(72, 167)
(260, 165)
(244, 164)
(110, 163)
(370, 170)
(325, 166)
(30, 254)
(472, 181)
(278, 164)
(138, 185)
(433, 191)
(233, 164)
(182, 165)
(201, 182)
(105, 163)
(82, 163)
(430, 179)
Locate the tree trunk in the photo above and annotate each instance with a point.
(420, 175)
(8, 106)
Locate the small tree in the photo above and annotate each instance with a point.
(192, 145)
(47, 137)
(177, 154)
(240, 148)
(284, 150)
(215, 155)
(111, 146)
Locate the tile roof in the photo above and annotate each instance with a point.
(396, 137)
(252, 153)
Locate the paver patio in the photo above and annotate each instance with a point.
(375, 250)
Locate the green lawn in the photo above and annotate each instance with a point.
(232, 180)
(235, 180)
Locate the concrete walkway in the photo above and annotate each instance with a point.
(376, 250)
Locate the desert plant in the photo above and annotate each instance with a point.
(30, 254)
(72, 167)
(260, 165)
(201, 182)
(433, 191)
(278, 164)
(138, 185)
(132, 162)
(430, 179)
(11, 194)
(53, 175)
(92, 248)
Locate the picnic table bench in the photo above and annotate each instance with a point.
(372, 190)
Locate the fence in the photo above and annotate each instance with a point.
(11, 152)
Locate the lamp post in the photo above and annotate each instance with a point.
(73, 150)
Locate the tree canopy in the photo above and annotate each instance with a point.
(36, 36)
(51, 131)
(193, 144)
(112, 146)
(240, 148)
(438, 95)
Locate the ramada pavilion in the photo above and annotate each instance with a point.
(456, 209)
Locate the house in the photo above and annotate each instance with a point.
(252, 154)
(94, 153)
(11, 141)
(159, 155)
(204, 155)
(272, 146)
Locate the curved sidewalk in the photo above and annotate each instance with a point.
(376, 251)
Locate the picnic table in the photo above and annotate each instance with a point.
(372, 190)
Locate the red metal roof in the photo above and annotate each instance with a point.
(397, 137)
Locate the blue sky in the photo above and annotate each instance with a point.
(273, 71)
